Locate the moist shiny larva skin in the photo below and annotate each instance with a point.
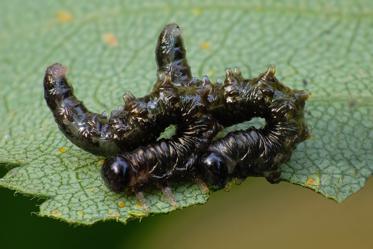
(199, 108)
(255, 151)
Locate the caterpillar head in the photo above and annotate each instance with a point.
(116, 173)
(214, 170)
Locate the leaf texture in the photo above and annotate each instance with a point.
(322, 46)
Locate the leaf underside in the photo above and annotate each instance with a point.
(321, 46)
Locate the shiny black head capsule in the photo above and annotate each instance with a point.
(214, 170)
(116, 173)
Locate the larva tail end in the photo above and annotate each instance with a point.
(170, 55)
(56, 88)
(171, 29)
(55, 71)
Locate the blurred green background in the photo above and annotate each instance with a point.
(254, 214)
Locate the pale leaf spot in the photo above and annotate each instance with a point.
(313, 182)
(62, 149)
(197, 11)
(56, 213)
(205, 45)
(110, 39)
(121, 204)
(64, 16)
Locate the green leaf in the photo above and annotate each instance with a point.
(324, 47)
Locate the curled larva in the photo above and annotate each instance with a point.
(167, 158)
(200, 109)
(157, 163)
(256, 151)
(138, 122)
(124, 129)
(239, 154)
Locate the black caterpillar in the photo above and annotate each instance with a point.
(200, 109)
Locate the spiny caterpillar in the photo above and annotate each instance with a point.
(199, 109)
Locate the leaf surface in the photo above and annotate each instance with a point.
(324, 47)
